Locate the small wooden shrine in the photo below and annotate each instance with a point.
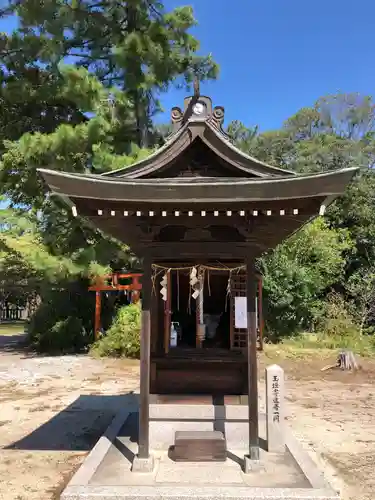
(199, 212)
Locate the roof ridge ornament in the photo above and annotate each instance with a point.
(217, 120)
(196, 84)
(198, 108)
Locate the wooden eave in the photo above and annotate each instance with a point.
(197, 190)
(214, 140)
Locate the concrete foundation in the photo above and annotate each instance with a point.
(252, 465)
(232, 420)
(144, 465)
(107, 472)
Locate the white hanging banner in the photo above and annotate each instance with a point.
(163, 290)
(240, 312)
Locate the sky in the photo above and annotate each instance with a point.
(277, 56)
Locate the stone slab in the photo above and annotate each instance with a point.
(97, 454)
(312, 473)
(173, 418)
(194, 493)
(198, 412)
(117, 465)
(162, 433)
(199, 446)
(275, 411)
(236, 433)
(207, 473)
(206, 435)
(287, 476)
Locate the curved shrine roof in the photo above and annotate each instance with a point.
(206, 190)
(198, 163)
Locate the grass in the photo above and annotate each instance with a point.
(291, 349)
(11, 328)
(323, 345)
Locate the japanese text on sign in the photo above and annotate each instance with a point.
(276, 398)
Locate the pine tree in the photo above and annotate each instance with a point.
(135, 46)
(80, 84)
(81, 80)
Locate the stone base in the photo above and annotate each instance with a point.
(145, 465)
(251, 465)
(108, 473)
(276, 447)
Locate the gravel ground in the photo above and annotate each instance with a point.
(54, 409)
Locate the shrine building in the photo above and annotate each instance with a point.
(198, 212)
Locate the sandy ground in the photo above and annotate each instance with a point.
(333, 415)
(53, 410)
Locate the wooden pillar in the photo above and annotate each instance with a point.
(98, 312)
(251, 286)
(144, 448)
(154, 321)
(260, 312)
(199, 327)
(135, 289)
(168, 313)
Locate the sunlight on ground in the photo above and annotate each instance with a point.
(11, 328)
(294, 351)
(323, 346)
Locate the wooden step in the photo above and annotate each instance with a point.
(199, 446)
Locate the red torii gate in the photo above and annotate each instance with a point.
(110, 283)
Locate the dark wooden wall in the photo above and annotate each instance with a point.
(198, 376)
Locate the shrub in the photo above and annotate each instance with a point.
(336, 321)
(337, 329)
(63, 321)
(122, 339)
(67, 335)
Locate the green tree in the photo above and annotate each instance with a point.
(337, 132)
(356, 212)
(242, 136)
(91, 115)
(361, 288)
(135, 46)
(125, 54)
(298, 273)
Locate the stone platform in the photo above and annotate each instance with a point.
(106, 473)
(230, 419)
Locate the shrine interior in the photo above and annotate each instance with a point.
(216, 310)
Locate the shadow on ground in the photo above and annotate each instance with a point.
(13, 343)
(78, 427)
(128, 432)
(17, 344)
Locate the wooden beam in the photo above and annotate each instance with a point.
(128, 209)
(144, 408)
(251, 284)
(198, 251)
(101, 283)
(110, 288)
